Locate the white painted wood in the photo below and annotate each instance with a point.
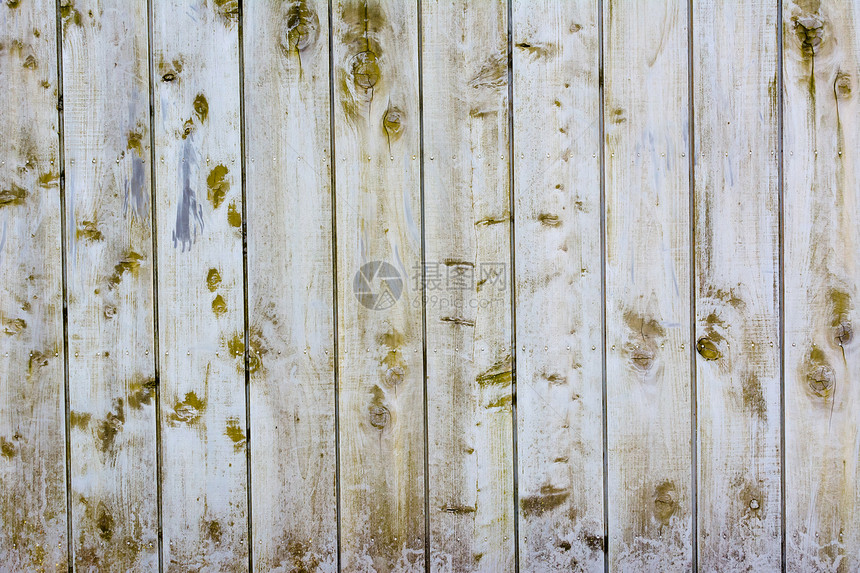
(467, 237)
(201, 318)
(290, 286)
(32, 404)
(558, 267)
(379, 219)
(737, 279)
(111, 312)
(648, 286)
(822, 257)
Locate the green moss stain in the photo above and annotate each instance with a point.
(664, 502)
(13, 326)
(104, 522)
(187, 128)
(645, 327)
(201, 107)
(49, 180)
(534, 50)
(7, 448)
(302, 560)
(236, 345)
(170, 70)
(498, 373)
(235, 433)
(14, 195)
(228, 10)
(213, 531)
(548, 499)
(134, 142)
(213, 279)
(110, 426)
(219, 306)
(141, 393)
(753, 397)
(218, 185)
(13, 3)
(549, 220)
(88, 231)
(840, 304)
(70, 14)
(504, 402)
(234, 218)
(79, 420)
(187, 411)
(128, 264)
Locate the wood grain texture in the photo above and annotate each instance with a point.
(291, 289)
(737, 281)
(201, 318)
(110, 298)
(648, 286)
(379, 337)
(822, 260)
(467, 254)
(559, 338)
(32, 404)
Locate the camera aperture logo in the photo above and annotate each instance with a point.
(377, 285)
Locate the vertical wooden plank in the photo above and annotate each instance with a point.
(290, 285)
(467, 255)
(378, 250)
(737, 270)
(109, 257)
(32, 403)
(559, 330)
(822, 254)
(201, 318)
(648, 286)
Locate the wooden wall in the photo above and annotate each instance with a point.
(433, 285)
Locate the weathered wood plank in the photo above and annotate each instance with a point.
(201, 318)
(822, 256)
(290, 285)
(378, 249)
(467, 254)
(737, 268)
(648, 286)
(32, 403)
(111, 312)
(559, 338)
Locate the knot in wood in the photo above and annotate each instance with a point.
(843, 332)
(821, 379)
(365, 69)
(842, 85)
(302, 27)
(391, 122)
(394, 375)
(810, 32)
(707, 349)
(379, 416)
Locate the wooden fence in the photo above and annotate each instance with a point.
(434, 285)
